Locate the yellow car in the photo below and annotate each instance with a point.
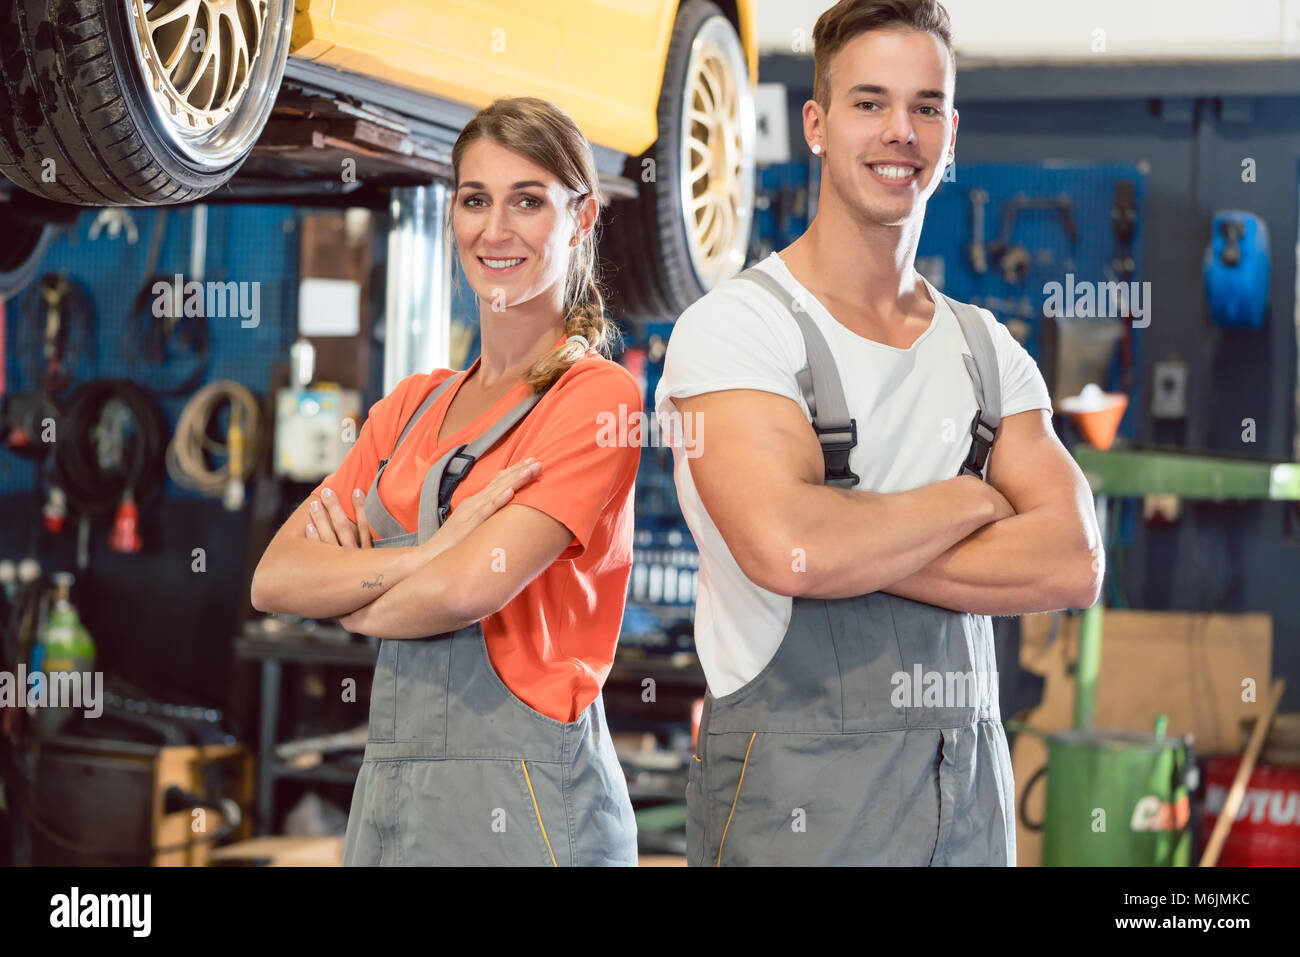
(148, 102)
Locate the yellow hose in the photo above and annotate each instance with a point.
(187, 463)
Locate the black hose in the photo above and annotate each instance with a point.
(1024, 801)
(95, 487)
(172, 353)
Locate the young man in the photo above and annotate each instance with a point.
(854, 531)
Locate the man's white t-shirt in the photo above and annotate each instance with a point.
(913, 408)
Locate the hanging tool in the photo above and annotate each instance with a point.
(977, 252)
(1124, 220)
(117, 220)
(198, 242)
(1236, 269)
(1015, 260)
(1124, 213)
(1015, 264)
(171, 352)
(53, 289)
(54, 335)
(23, 424)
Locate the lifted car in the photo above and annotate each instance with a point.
(151, 102)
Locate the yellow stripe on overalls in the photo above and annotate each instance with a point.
(736, 798)
(538, 812)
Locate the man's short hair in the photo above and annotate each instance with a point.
(849, 18)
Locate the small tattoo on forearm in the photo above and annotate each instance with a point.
(374, 584)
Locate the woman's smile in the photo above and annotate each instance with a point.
(502, 267)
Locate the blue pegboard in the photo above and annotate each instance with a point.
(1091, 189)
(245, 244)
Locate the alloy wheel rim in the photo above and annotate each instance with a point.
(211, 70)
(717, 151)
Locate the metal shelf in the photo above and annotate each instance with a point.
(1134, 472)
(334, 773)
(296, 645)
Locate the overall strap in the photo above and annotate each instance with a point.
(819, 381)
(450, 470)
(443, 386)
(381, 520)
(982, 366)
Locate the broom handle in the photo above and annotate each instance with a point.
(1238, 790)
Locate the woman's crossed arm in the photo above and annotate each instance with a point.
(321, 565)
(469, 581)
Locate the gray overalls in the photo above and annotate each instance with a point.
(457, 769)
(835, 753)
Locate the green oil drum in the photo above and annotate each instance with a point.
(1117, 798)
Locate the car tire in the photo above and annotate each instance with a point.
(688, 229)
(98, 118)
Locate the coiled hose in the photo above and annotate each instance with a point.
(187, 461)
(89, 465)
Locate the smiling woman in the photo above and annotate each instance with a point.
(482, 529)
(524, 220)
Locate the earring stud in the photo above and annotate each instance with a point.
(817, 149)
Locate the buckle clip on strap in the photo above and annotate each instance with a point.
(836, 452)
(980, 446)
(457, 466)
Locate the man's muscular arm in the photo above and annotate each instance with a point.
(1045, 557)
(759, 474)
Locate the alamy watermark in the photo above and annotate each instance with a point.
(215, 300)
(670, 429)
(58, 689)
(129, 911)
(941, 689)
(1098, 300)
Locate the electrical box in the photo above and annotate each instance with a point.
(314, 429)
(1169, 392)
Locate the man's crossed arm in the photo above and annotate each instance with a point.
(1026, 541)
(1046, 556)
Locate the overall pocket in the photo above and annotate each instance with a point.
(420, 711)
(814, 799)
(474, 813)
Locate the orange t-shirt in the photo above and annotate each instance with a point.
(553, 643)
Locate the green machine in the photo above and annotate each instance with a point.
(1121, 798)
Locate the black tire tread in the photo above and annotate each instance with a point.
(68, 102)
